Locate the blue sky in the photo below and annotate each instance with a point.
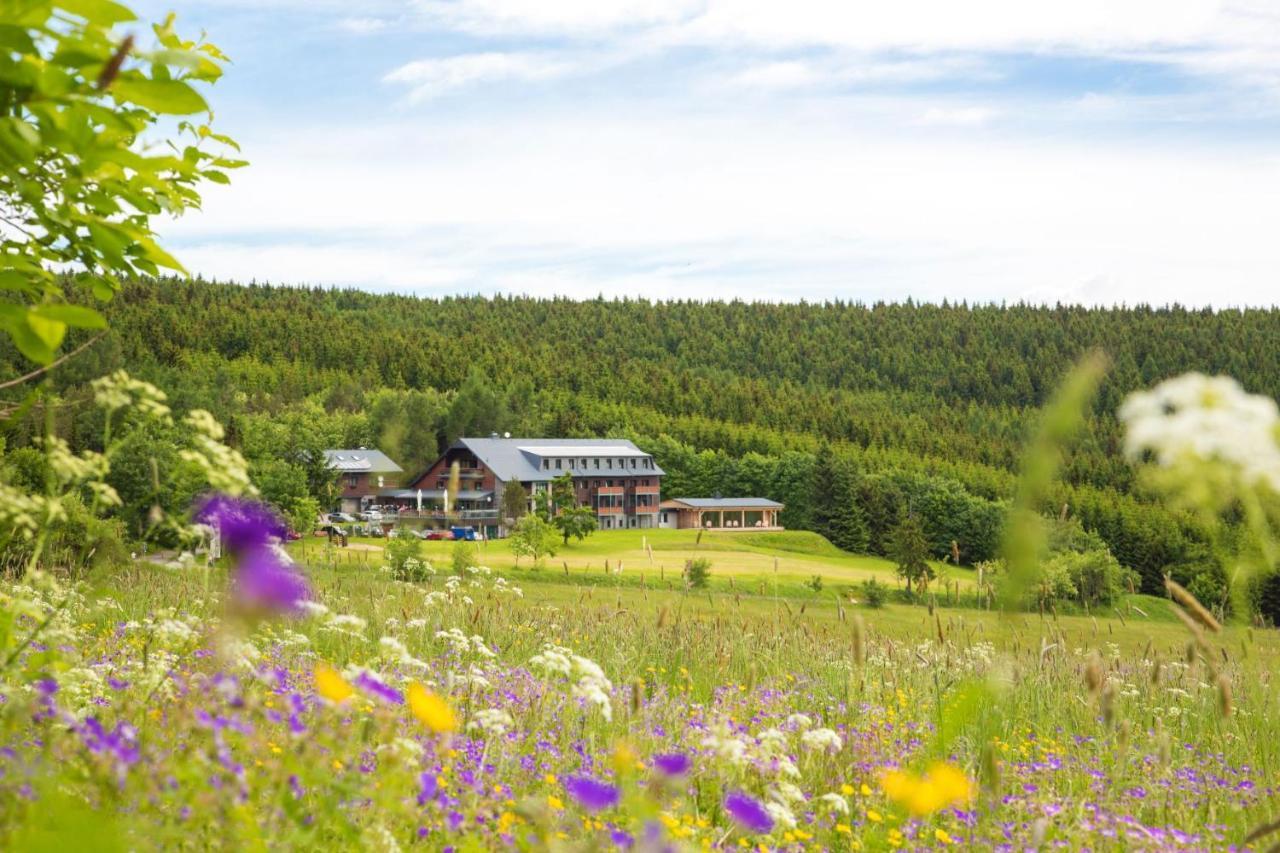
(1095, 151)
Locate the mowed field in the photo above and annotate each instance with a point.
(789, 558)
(756, 574)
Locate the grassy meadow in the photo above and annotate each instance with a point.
(574, 713)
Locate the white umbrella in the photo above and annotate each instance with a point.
(419, 500)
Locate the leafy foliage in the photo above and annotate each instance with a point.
(909, 551)
(874, 593)
(78, 190)
(533, 537)
(697, 572)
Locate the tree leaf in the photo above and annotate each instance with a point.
(73, 315)
(104, 13)
(160, 257)
(172, 97)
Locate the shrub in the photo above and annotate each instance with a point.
(403, 556)
(533, 537)
(874, 593)
(464, 556)
(815, 583)
(697, 572)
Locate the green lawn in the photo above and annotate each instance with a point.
(791, 558)
(754, 573)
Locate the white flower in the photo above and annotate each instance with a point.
(800, 722)
(781, 815)
(1196, 417)
(492, 721)
(771, 743)
(553, 660)
(313, 608)
(821, 740)
(835, 802)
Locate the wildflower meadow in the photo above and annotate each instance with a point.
(257, 702)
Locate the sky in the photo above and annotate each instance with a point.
(1090, 151)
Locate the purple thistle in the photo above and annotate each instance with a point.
(672, 764)
(591, 794)
(265, 580)
(748, 812)
(243, 525)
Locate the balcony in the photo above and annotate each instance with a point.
(609, 490)
(641, 509)
(441, 515)
(646, 490)
(608, 510)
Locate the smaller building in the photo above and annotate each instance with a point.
(720, 514)
(362, 473)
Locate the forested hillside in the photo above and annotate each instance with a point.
(848, 413)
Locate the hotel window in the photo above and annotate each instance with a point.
(596, 464)
(608, 463)
(584, 463)
(557, 464)
(633, 463)
(353, 480)
(546, 463)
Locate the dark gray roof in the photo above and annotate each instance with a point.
(361, 461)
(725, 503)
(521, 458)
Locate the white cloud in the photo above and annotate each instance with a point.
(971, 116)
(429, 78)
(770, 206)
(1236, 39)
(557, 17)
(363, 25)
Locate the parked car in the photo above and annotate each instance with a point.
(467, 533)
(371, 514)
(341, 518)
(374, 530)
(438, 534)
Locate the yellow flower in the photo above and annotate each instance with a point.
(941, 835)
(844, 829)
(624, 759)
(874, 816)
(941, 786)
(846, 789)
(555, 802)
(331, 685)
(431, 710)
(864, 790)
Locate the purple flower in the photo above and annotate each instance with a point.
(381, 689)
(591, 794)
(265, 580)
(748, 812)
(672, 764)
(243, 525)
(427, 787)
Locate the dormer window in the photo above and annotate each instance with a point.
(558, 464)
(546, 463)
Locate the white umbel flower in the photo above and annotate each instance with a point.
(1200, 418)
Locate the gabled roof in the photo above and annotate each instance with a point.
(521, 458)
(361, 461)
(721, 503)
